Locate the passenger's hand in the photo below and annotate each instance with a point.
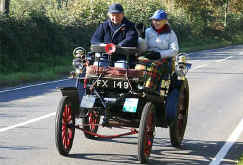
(152, 55)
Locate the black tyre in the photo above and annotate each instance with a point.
(64, 126)
(146, 132)
(90, 123)
(178, 127)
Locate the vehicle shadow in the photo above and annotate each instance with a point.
(121, 140)
(192, 152)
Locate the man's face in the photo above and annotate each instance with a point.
(116, 18)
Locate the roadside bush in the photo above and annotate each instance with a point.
(35, 42)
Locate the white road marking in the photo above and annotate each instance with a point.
(51, 82)
(196, 60)
(200, 66)
(230, 142)
(223, 60)
(27, 122)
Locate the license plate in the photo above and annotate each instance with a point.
(130, 105)
(87, 101)
(105, 83)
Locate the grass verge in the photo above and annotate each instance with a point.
(197, 45)
(20, 78)
(241, 160)
(53, 73)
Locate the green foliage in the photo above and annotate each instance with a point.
(33, 41)
(140, 11)
(207, 16)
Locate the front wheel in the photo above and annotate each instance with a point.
(64, 126)
(178, 127)
(146, 132)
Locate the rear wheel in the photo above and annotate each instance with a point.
(64, 126)
(178, 127)
(90, 123)
(146, 132)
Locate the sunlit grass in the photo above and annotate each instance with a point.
(241, 160)
(197, 45)
(48, 74)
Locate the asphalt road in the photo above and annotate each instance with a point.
(216, 101)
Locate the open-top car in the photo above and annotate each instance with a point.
(113, 93)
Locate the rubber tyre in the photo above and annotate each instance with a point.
(89, 124)
(178, 127)
(64, 126)
(146, 132)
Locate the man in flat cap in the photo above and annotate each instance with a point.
(116, 29)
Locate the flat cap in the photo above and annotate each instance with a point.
(115, 8)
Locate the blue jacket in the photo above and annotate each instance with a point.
(124, 35)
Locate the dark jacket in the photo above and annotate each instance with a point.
(124, 35)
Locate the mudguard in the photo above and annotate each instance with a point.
(69, 91)
(173, 99)
(72, 92)
(171, 105)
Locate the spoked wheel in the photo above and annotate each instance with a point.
(178, 127)
(146, 132)
(65, 123)
(90, 123)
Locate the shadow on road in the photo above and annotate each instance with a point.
(19, 148)
(192, 152)
(3, 115)
(32, 91)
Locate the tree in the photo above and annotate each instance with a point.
(226, 12)
(210, 10)
(4, 6)
(7, 4)
(62, 3)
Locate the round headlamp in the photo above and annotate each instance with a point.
(79, 52)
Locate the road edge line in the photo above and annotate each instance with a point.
(197, 67)
(223, 60)
(27, 122)
(229, 143)
(50, 82)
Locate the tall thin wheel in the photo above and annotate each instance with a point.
(90, 123)
(146, 132)
(64, 126)
(178, 127)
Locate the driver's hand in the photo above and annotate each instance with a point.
(152, 55)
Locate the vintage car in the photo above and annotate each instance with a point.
(111, 93)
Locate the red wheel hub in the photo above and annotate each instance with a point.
(93, 121)
(67, 132)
